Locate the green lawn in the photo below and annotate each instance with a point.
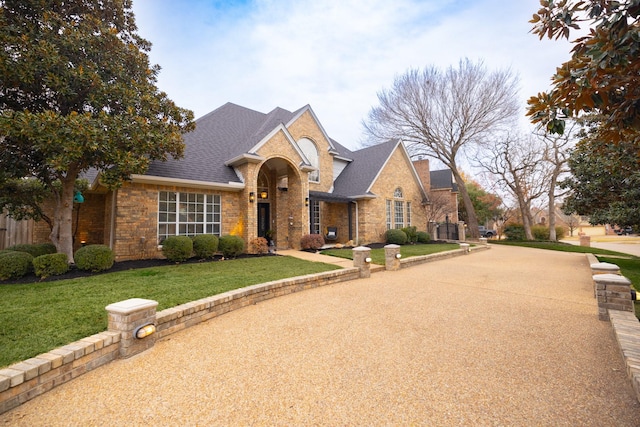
(377, 255)
(38, 317)
(557, 246)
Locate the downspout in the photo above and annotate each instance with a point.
(112, 226)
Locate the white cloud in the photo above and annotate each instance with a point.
(333, 55)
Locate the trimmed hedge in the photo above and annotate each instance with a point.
(15, 264)
(35, 250)
(50, 265)
(177, 248)
(94, 258)
(396, 237)
(412, 233)
(541, 233)
(231, 246)
(312, 241)
(423, 237)
(205, 245)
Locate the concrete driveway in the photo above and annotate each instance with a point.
(508, 336)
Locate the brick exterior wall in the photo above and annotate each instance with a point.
(372, 213)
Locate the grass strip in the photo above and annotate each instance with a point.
(377, 254)
(38, 317)
(559, 246)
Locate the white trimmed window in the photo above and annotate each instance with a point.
(398, 218)
(311, 152)
(188, 214)
(408, 214)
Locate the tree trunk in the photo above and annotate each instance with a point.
(62, 232)
(472, 219)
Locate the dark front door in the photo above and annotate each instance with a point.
(263, 219)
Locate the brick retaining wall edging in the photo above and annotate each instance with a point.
(30, 378)
(626, 329)
(25, 380)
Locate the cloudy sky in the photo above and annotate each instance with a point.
(334, 55)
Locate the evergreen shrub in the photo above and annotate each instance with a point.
(15, 264)
(94, 258)
(205, 245)
(396, 237)
(177, 248)
(423, 237)
(231, 246)
(50, 265)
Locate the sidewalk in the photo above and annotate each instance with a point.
(507, 336)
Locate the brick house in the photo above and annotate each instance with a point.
(253, 174)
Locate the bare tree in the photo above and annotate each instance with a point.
(556, 154)
(518, 165)
(440, 113)
(441, 205)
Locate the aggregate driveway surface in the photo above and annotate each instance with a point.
(508, 336)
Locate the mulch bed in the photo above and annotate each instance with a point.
(74, 273)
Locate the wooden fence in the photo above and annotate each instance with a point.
(14, 232)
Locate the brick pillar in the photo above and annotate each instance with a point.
(613, 292)
(585, 241)
(126, 317)
(602, 268)
(360, 256)
(392, 257)
(462, 231)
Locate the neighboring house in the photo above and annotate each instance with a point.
(443, 192)
(253, 174)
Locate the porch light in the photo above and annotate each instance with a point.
(263, 195)
(306, 201)
(367, 260)
(78, 198)
(145, 331)
(398, 256)
(252, 197)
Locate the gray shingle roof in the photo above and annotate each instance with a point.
(443, 179)
(221, 135)
(358, 176)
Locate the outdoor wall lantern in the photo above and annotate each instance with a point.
(252, 197)
(306, 201)
(78, 198)
(264, 195)
(367, 260)
(398, 256)
(145, 330)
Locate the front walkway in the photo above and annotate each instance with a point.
(508, 336)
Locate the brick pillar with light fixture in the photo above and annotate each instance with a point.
(392, 257)
(362, 260)
(129, 317)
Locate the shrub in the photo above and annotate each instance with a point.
(259, 245)
(312, 241)
(396, 236)
(231, 246)
(412, 234)
(177, 248)
(423, 237)
(35, 250)
(205, 245)
(514, 232)
(15, 264)
(50, 265)
(94, 258)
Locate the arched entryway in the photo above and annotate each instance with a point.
(281, 215)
